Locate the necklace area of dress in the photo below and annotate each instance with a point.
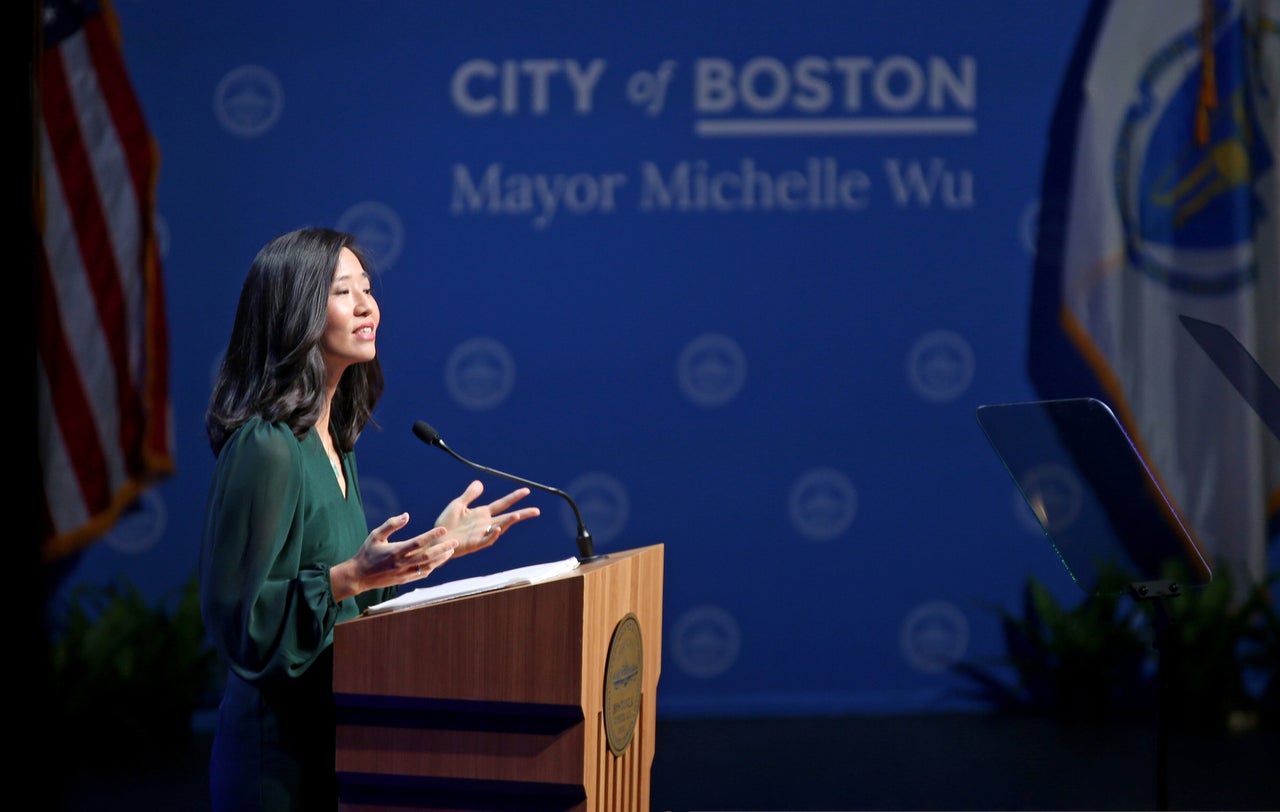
(335, 464)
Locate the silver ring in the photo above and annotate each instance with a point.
(419, 569)
(494, 529)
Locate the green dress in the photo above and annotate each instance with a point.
(275, 521)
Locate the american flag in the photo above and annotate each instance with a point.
(102, 391)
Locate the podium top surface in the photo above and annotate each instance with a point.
(464, 588)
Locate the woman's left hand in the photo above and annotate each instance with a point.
(478, 527)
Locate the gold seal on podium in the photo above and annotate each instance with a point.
(623, 673)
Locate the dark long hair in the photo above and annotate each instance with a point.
(273, 367)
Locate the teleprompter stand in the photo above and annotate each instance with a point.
(1156, 592)
(1105, 514)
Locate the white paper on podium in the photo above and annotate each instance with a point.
(473, 586)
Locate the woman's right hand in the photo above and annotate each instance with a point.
(381, 562)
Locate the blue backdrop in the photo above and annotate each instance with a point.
(734, 275)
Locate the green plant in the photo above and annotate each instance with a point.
(1084, 663)
(1261, 650)
(1102, 659)
(127, 674)
(1203, 657)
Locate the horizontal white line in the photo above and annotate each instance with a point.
(772, 127)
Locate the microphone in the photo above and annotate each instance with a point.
(586, 548)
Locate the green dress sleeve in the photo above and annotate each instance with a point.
(275, 522)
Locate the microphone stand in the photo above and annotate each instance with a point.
(586, 547)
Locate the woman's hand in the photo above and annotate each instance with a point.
(478, 527)
(381, 562)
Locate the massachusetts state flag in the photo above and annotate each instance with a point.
(104, 420)
(1160, 199)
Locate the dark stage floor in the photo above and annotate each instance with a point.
(928, 762)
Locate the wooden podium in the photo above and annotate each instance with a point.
(531, 697)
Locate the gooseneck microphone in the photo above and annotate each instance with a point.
(586, 549)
